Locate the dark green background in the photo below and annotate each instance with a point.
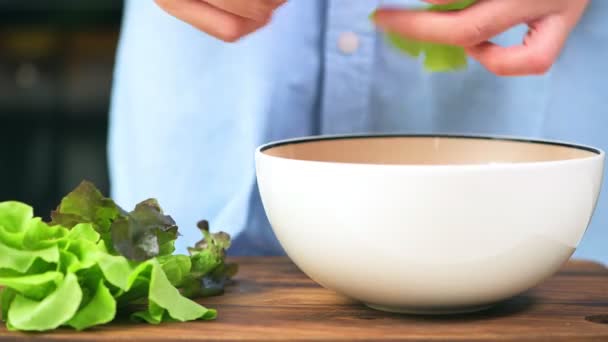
(56, 64)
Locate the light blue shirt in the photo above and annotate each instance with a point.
(188, 110)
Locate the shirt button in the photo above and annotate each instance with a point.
(348, 42)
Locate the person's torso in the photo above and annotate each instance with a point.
(189, 111)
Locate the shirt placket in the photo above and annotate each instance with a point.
(348, 66)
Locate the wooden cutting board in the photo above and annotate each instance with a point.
(273, 300)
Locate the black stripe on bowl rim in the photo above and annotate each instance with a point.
(301, 140)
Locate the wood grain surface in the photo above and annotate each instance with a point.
(272, 300)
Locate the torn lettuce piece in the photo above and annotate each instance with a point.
(437, 57)
(144, 233)
(86, 204)
(209, 273)
(214, 283)
(166, 303)
(454, 6)
(208, 253)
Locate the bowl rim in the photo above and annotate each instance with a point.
(596, 152)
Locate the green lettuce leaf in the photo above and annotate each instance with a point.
(40, 235)
(6, 299)
(176, 267)
(36, 286)
(21, 261)
(165, 302)
(54, 310)
(100, 309)
(437, 57)
(15, 216)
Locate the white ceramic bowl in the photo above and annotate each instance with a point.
(428, 224)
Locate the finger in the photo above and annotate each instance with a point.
(259, 10)
(535, 56)
(216, 22)
(476, 24)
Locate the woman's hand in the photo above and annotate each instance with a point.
(550, 23)
(228, 20)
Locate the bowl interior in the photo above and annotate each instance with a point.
(426, 150)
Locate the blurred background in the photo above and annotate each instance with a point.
(56, 64)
